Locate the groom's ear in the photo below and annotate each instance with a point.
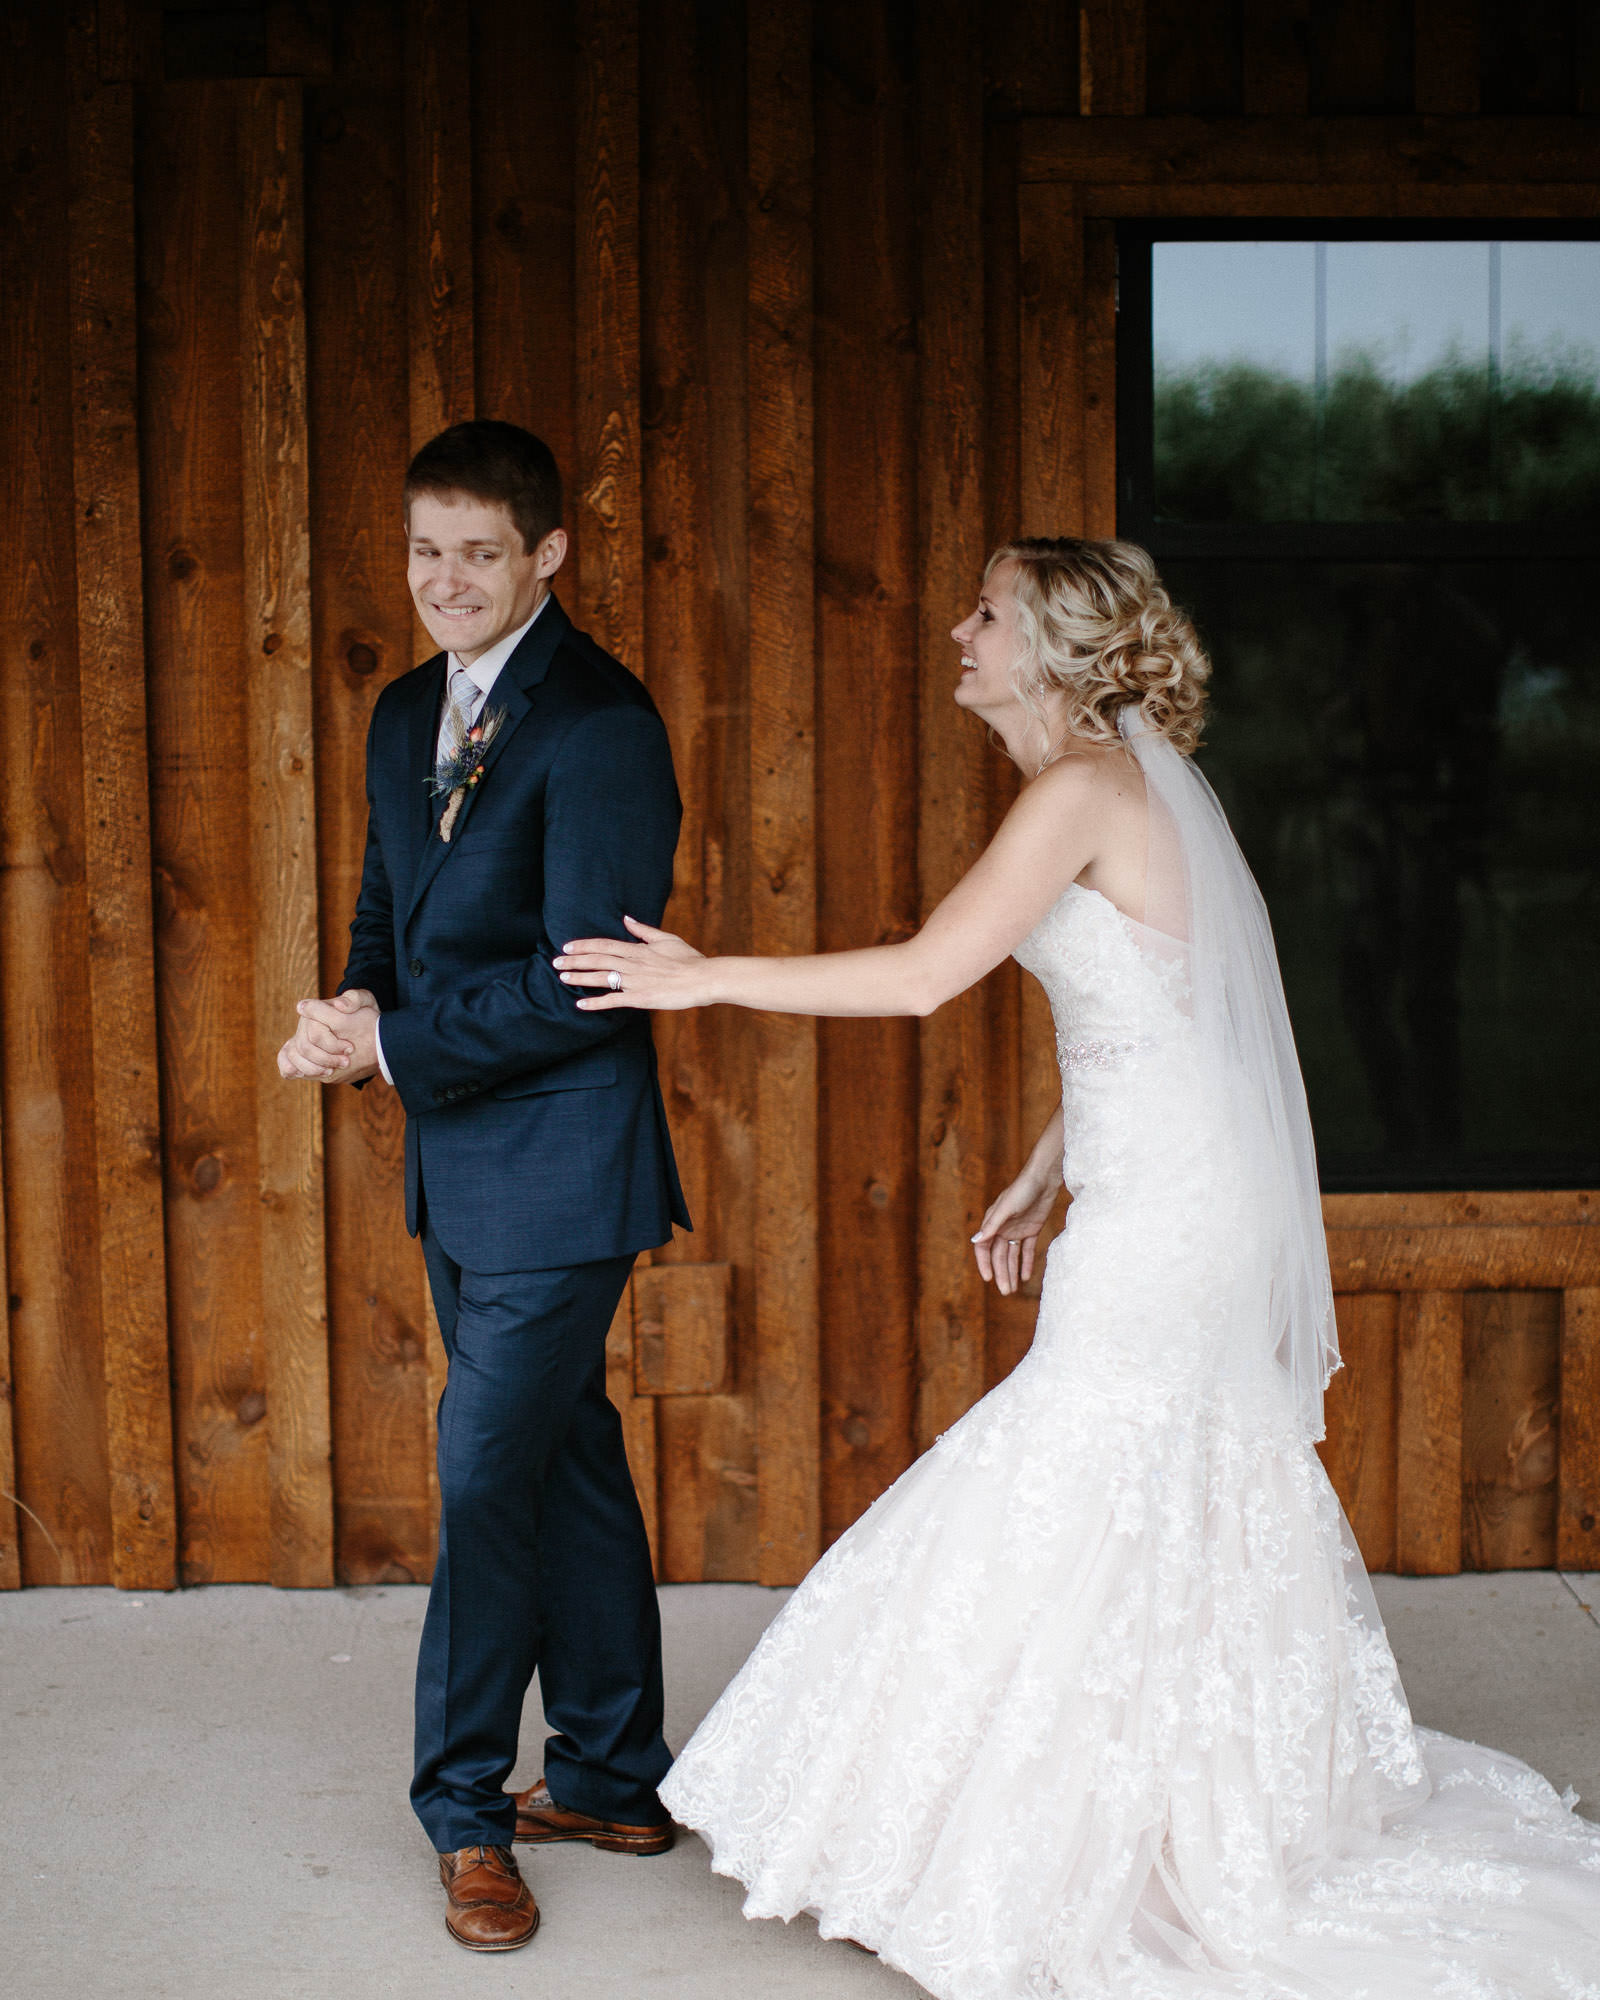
(551, 552)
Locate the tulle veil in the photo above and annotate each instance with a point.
(1201, 892)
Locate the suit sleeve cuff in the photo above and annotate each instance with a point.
(377, 1042)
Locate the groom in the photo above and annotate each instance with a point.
(520, 793)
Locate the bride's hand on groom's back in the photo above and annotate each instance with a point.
(651, 969)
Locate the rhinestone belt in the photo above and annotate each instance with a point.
(1097, 1055)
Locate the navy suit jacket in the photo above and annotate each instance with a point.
(535, 1134)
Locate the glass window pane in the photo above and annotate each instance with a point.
(1369, 381)
(1408, 755)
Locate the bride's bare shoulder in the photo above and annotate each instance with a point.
(1084, 778)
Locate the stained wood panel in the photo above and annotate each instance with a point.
(1275, 73)
(1052, 498)
(201, 824)
(654, 231)
(382, 1344)
(111, 675)
(1360, 1448)
(1578, 1464)
(283, 845)
(57, 1365)
(1362, 55)
(1111, 58)
(867, 641)
(783, 775)
(682, 1319)
(952, 803)
(1428, 1367)
(692, 360)
(1009, 1321)
(524, 228)
(10, 1511)
(439, 217)
(1510, 1429)
(608, 475)
(1447, 55)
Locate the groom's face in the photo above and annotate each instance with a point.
(471, 579)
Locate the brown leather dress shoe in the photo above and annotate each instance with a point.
(540, 1819)
(490, 1908)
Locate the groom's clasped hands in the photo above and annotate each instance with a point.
(336, 1040)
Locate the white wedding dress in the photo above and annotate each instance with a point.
(1096, 1700)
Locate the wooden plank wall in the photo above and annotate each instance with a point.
(814, 303)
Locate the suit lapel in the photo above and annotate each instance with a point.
(513, 692)
(422, 739)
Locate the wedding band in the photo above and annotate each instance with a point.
(614, 981)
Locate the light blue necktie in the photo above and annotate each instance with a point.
(464, 691)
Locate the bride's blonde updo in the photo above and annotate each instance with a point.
(1097, 626)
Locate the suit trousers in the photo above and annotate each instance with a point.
(543, 1561)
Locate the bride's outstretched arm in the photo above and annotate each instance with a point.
(1044, 843)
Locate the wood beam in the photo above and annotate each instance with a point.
(1493, 1257)
(1329, 151)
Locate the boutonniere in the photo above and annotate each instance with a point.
(462, 770)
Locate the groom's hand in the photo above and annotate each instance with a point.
(335, 1040)
(351, 1020)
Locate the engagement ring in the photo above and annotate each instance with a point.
(614, 981)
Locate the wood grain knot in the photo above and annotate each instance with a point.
(361, 658)
(251, 1408)
(205, 1177)
(271, 643)
(181, 565)
(1531, 1448)
(856, 1432)
(878, 1194)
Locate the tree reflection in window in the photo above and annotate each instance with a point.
(1368, 469)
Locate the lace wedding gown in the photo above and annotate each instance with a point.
(1096, 1700)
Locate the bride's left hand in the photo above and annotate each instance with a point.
(658, 971)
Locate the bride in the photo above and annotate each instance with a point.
(1095, 1700)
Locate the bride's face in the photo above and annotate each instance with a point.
(988, 642)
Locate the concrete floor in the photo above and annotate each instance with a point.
(202, 1797)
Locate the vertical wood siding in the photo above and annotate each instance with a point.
(814, 303)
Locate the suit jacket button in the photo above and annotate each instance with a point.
(415, 968)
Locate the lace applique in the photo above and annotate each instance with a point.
(1085, 1707)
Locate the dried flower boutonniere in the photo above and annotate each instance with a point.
(463, 767)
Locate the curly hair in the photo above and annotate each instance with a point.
(1097, 626)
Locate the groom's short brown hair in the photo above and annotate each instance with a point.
(500, 463)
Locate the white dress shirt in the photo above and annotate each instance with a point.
(483, 672)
